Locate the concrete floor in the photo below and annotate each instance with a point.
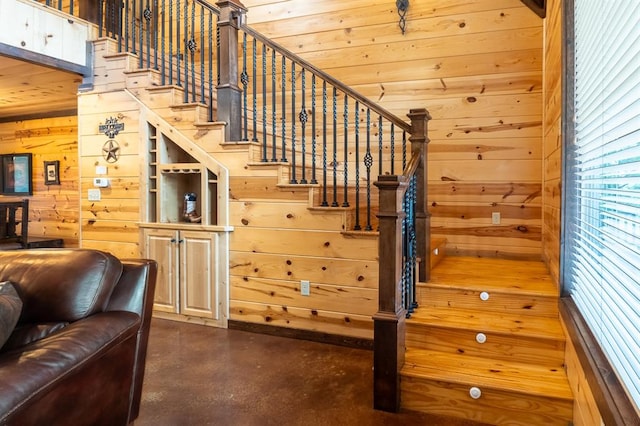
(197, 375)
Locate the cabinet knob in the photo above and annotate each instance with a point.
(180, 241)
(173, 240)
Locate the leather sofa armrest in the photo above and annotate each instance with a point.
(134, 293)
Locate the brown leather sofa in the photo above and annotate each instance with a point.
(77, 354)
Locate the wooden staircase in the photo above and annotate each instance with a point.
(486, 344)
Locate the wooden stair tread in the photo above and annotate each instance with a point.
(528, 277)
(488, 321)
(485, 373)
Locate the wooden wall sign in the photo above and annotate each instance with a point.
(111, 148)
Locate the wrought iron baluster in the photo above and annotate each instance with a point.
(192, 49)
(118, 29)
(210, 66)
(147, 19)
(334, 163)
(170, 41)
(71, 8)
(274, 141)
(283, 73)
(202, 49)
(313, 129)
(179, 43)
(244, 79)
(379, 145)
(414, 242)
(393, 148)
(368, 162)
(356, 129)
(101, 20)
(345, 202)
(217, 54)
(186, 50)
(155, 34)
(303, 121)
(404, 149)
(293, 123)
(126, 26)
(134, 37)
(255, 92)
(264, 103)
(324, 144)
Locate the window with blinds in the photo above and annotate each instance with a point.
(602, 188)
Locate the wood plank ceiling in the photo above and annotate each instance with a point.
(28, 90)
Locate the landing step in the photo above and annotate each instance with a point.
(528, 277)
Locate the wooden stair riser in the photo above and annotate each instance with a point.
(524, 349)
(514, 302)
(494, 406)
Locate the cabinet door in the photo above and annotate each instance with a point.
(161, 245)
(198, 274)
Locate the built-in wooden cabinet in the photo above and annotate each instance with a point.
(192, 257)
(188, 281)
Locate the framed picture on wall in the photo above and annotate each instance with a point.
(52, 172)
(16, 174)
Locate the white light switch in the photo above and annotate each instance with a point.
(93, 195)
(101, 170)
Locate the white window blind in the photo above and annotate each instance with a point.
(602, 238)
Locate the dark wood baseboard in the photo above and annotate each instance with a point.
(294, 333)
(613, 403)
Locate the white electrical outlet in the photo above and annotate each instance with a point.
(305, 287)
(93, 195)
(495, 218)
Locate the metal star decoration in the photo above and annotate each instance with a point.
(111, 151)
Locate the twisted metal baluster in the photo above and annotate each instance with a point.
(264, 103)
(274, 158)
(133, 28)
(210, 56)
(179, 43)
(283, 73)
(303, 121)
(244, 79)
(393, 148)
(357, 161)
(335, 148)
(163, 60)
(147, 14)
(345, 202)
(313, 129)
(255, 93)
(379, 145)
(368, 162)
(293, 123)
(155, 34)
(404, 149)
(202, 49)
(170, 42)
(324, 144)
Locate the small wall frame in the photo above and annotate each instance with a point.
(16, 174)
(52, 172)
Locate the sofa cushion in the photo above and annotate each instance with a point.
(25, 334)
(10, 309)
(60, 284)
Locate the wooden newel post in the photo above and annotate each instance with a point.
(419, 146)
(389, 321)
(232, 15)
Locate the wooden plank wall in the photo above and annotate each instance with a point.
(53, 209)
(585, 408)
(552, 146)
(477, 66)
